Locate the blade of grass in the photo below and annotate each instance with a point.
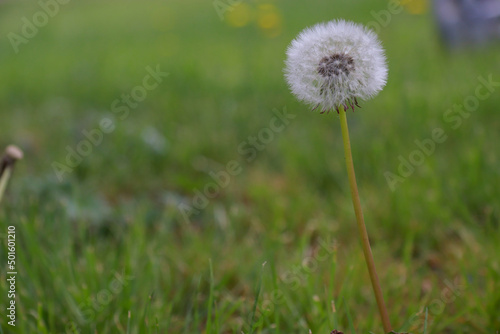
(349, 319)
(275, 288)
(257, 295)
(128, 322)
(425, 322)
(210, 299)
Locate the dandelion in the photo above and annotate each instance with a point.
(332, 65)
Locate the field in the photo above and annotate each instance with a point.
(173, 184)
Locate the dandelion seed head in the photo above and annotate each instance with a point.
(335, 63)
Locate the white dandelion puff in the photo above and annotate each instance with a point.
(335, 63)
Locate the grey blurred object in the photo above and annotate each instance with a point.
(7, 162)
(468, 22)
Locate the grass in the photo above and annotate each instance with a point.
(107, 250)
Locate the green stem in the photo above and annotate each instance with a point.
(365, 242)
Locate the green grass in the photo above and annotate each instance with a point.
(108, 251)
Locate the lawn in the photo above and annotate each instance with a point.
(173, 184)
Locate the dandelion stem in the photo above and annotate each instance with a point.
(361, 223)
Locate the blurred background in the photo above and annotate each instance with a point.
(157, 194)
